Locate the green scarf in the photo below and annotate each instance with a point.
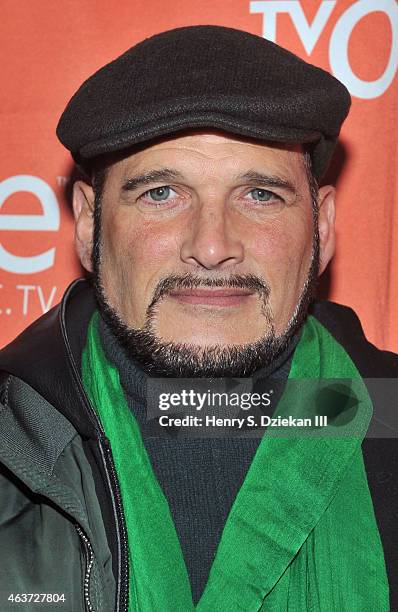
(301, 535)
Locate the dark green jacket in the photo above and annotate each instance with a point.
(62, 529)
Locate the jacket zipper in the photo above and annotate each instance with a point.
(123, 595)
(89, 556)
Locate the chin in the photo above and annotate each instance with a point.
(202, 340)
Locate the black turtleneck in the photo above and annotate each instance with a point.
(200, 477)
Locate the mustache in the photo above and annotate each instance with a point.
(172, 282)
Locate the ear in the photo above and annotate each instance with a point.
(83, 209)
(326, 225)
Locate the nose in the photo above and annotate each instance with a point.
(212, 241)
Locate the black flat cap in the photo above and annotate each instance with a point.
(205, 76)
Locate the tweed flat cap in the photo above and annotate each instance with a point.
(205, 76)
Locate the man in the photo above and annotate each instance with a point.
(204, 231)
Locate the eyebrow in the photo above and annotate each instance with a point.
(265, 180)
(167, 174)
(153, 176)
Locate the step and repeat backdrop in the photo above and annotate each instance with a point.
(49, 48)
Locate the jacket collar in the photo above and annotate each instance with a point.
(47, 357)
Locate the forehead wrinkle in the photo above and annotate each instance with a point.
(196, 143)
(275, 161)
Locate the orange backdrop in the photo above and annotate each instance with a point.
(49, 48)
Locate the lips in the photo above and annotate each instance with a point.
(212, 297)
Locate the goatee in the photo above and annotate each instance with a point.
(180, 360)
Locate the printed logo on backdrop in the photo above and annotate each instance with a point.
(48, 221)
(310, 33)
(27, 296)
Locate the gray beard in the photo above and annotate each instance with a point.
(180, 360)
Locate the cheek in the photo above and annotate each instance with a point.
(133, 244)
(283, 253)
(283, 246)
(134, 256)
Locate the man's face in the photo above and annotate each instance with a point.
(207, 244)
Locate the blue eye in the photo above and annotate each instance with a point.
(159, 194)
(262, 195)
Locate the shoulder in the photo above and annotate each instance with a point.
(46, 356)
(344, 325)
